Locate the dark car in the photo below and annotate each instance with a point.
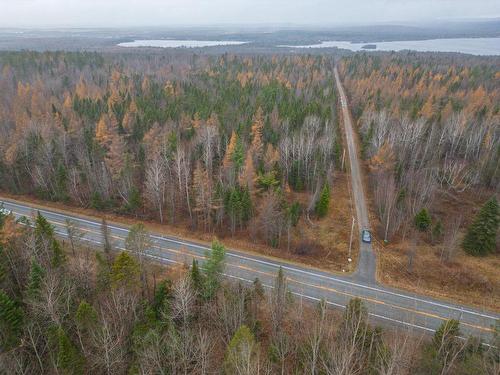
(366, 236)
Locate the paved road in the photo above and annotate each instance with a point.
(366, 270)
(385, 305)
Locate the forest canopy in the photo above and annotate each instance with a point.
(214, 140)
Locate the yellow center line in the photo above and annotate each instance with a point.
(321, 287)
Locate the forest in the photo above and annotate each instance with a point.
(220, 144)
(68, 309)
(429, 127)
(427, 124)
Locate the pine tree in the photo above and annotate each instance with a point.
(481, 235)
(323, 202)
(213, 268)
(103, 271)
(45, 240)
(196, 277)
(446, 333)
(161, 298)
(125, 271)
(105, 236)
(35, 278)
(86, 316)
(61, 183)
(69, 359)
(423, 220)
(437, 230)
(58, 255)
(11, 321)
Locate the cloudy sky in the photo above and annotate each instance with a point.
(24, 13)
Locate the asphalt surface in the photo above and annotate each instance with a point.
(385, 305)
(367, 264)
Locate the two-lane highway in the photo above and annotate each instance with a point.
(384, 304)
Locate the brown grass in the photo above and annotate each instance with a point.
(464, 279)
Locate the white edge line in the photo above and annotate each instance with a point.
(166, 260)
(288, 268)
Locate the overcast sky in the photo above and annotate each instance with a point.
(111, 13)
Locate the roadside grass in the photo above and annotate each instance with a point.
(463, 278)
(321, 244)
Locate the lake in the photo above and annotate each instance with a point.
(171, 43)
(473, 46)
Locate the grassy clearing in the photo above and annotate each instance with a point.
(465, 279)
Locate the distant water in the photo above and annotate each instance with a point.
(473, 46)
(170, 43)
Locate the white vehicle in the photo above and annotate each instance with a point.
(5, 211)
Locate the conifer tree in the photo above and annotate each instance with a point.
(196, 277)
(11, 320)
(45, 241)
(86, 316)
(35, 278)
(481, 235)
(423, 220)
(103, 271)
(125, 271)
(161, 298)
(69, 359)
(323, 202)
(213, 269)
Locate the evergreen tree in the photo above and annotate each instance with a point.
(294, 213)
(86, 316)
(69, 359)
(196, 277)
(125, 271)
(11, 321)
(58, 256)
(46, 241)
(481, 235)
(134, 200)
(213, 268)
(246, 204)
(61, 183)
(446, 334)
(161, 298)
(238, 156)
(437, 230)
(321, 208)
(35, 278)
(105, 236)
(423, 220)
(103, 272)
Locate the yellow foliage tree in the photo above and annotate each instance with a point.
(256, 131)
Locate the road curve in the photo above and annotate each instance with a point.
(367, 265)
(385, 305)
